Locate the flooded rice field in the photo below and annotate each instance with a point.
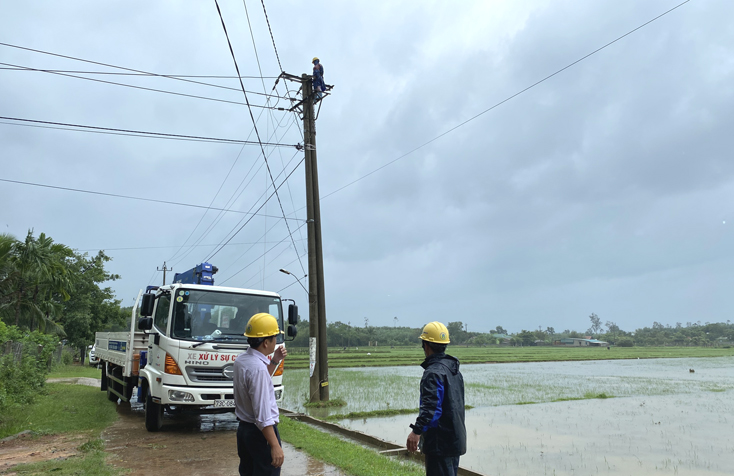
(380, 388)
(664, 418)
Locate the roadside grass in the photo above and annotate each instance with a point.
(64, 408)
(67, 371)
(412, 355)
(91, 463)
(352, 458)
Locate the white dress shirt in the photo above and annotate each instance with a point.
(254, 396)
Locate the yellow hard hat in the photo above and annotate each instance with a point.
(262, 325)
(315, 59)
(435, 332)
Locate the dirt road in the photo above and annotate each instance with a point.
(187, 445)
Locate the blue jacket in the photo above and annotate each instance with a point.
(441, 417)
(318, 77)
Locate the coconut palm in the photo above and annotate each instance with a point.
(37, 273)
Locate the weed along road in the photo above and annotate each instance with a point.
(189, 445)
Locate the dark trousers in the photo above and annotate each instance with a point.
(442, 465)
(254, 451)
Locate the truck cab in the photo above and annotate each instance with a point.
(195, 332)
(180, 353)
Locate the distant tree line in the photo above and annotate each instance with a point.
(340, 334)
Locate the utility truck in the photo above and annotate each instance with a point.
(179, 354)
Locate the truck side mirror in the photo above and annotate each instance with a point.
(293, 315)
(145, 323)
(292, 332)
(146, 307)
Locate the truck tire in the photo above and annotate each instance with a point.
(153, 414)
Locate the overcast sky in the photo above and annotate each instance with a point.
(607, 188)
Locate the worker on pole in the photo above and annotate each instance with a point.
(318, 78)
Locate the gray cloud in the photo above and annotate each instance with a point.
(603, 190)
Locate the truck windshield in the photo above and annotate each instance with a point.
(212, 315)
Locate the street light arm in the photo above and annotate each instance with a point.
(285, 271)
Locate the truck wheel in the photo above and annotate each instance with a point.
(153, 414)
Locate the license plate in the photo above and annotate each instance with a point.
(224, 403)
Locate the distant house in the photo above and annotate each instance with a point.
(502, 339)
(579, 342)
(540, 342)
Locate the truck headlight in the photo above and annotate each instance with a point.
(278, 393)
(179, 396)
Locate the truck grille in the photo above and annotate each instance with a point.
(206, 374)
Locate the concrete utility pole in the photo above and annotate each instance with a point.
(319, 384)
(164, 272)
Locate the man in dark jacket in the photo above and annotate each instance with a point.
(439, 427)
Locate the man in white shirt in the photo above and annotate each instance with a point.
(258, 440)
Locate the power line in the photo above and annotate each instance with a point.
(261, 239)
(142, 199)
(259, 208)
(159, 135)
(172, 76)
(271, 35)
(211, 203)
(194, 96)
(161, 247)
(256, 259)
(14, 67)
(270, 114)
(237, 228)
(257, 133)
(235, 195)
(146, 73)
(506, 99)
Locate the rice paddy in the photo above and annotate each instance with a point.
(646, 416)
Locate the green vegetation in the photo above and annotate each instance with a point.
(66, 371)
(372, 414)
(354, 459)
(334, 402)
(64, 408)
(92, 464)
(46, 286)
(386, 356)
(346, 336)
(587, 396)
(377, 413)
(23, 370)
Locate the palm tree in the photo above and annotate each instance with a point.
(38, 273)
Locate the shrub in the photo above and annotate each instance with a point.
(21, 380)
(625, 342)
(67, 356)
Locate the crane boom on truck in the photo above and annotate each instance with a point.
(180, 353)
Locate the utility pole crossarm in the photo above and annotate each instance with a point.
(164, 272)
